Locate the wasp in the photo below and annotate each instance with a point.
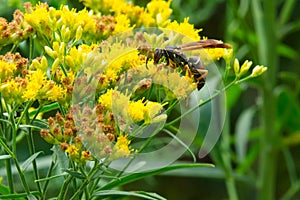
(175, 57)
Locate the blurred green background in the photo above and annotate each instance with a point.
(257, 154)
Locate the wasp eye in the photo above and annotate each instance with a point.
(157, 55)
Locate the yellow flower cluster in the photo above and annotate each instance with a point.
(185, 28)
(156, 12)
(15, 31)
(66, 24)
(131, 111)
(39, 88)
(18, 85)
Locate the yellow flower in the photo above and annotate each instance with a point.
(121, 148)
(6, 69)
(153, 108)
(85, 156)
(56, 93)
(106, 99)
(136, 110)
(160, 10)
(64, 23)
(35, 82)
(77, 56)
(73, 152)
(217, 53)
(12, 90)
(122, 24)
(185, 28)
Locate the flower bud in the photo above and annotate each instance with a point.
(55, 64)
(78, 33)
(57, 37)
(245, 67)
(45, 134)
(50, 52)
(44, 64)
(258, 70)
(236, 67)
(66, 34)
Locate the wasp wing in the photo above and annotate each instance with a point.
(201, 44)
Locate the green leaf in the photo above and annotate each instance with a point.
(3, 157)
(75, 174)
(29, 160)
(6, 121)
(20, 195)
(181, 143)
(232, 95)
(40, 123)
(46, 108)
(51, 177)
(250, 158)
(288, 109)
(287, 51)
(30, 126)
(242, 132)
(60, 157)
(4, 189)
(136, 176)
(31, 197)
(141, 194)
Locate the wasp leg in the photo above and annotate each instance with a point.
(199, 76)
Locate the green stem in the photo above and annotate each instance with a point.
(85, 183)
(31, 46)
(264, 13)
(20, 171)
(47, 182)
(34, 165)
(9, 176)
(14, 48)
(64, 188)
(226, 157)
(200, 104)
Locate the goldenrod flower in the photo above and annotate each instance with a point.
(217, 53)
(122, 24)
(160, 10)
(35, 82)
(85, 156)
(184, 28)
(121, 148)
(13, 89)
(73, 152)
(106, 99)
(6, 69)
(56, 93)
(136, 110)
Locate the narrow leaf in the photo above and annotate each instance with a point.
(242, 131)
(75, 174)
(3, 157)
(29, 160)
(132, 177)
(141, 194)
(20, 195)
(51, 177)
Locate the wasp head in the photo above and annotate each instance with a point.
(158, 54)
